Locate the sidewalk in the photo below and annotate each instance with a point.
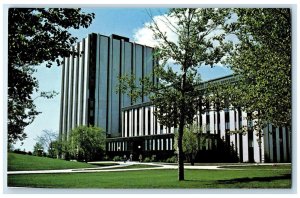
(113, 168)
(121, 165)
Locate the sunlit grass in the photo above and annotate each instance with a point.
(158, 179)
(19, 162)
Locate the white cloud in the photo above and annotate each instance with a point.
(144, 35)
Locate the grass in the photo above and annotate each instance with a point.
(19, 162)
(104, 164)
(158, 179)
(253, 176)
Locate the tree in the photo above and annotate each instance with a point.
(87, 143)
(54, 147)
(176, 95)
(35, 36)
(38, 149)
(190, 142)
(48, 140)
(262, 61)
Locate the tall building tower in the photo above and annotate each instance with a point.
(90, 79)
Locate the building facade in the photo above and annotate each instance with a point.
(89, 97)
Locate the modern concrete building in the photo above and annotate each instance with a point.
(89, 97)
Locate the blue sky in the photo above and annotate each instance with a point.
(122, 21)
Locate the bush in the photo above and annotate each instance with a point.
(147, 159)
(172, 159)
(18, 151)
(106, 158)
(117, 158)
(153, 158)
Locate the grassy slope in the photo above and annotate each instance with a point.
(19, 162)
(158, 179)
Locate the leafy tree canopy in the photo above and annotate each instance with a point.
(175, 94)
(87, 143)
(35, 36)
(190, 142)
(262, 61)
(38, 149)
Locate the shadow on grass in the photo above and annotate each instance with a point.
(247, 179)
(254, 179)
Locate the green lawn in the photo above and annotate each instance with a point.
(158, 179)
(249, 177)
(104, 164)
(19, 162)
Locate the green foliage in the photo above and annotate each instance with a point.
(35, 36)
(262, 61)
(172, 159)
(117, 158)
(153, 158)
(150, 159)
(147, 159)
(38, 149)
(175, 94)
(49, 140)
(190, 142)
(86, 143)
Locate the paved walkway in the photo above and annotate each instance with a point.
(121, 165)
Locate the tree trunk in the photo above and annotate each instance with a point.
(180, 151)
(192, 159)
(181, 127)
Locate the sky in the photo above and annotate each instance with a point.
(50, 79)
(128, 22)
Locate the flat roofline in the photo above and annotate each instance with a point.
(118, 37)
(219, 78)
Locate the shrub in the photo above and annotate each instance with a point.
(172, 159)
(153, 158)
(106, 158)
(147, 159)
(117, 158)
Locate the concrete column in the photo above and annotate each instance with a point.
(81, 82)
(130, 122)
(126, 123)
(271, 143)
(75, 91)
(284, 141)
(86, 81)
(222, 124)
(266, 145)
(142, 132)
(277, 145)
(70, 101)
(66, 100)
(237, 126)
(151, 120)
(204, 123)
(211, 124)
(245, 139)
(232, 127)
